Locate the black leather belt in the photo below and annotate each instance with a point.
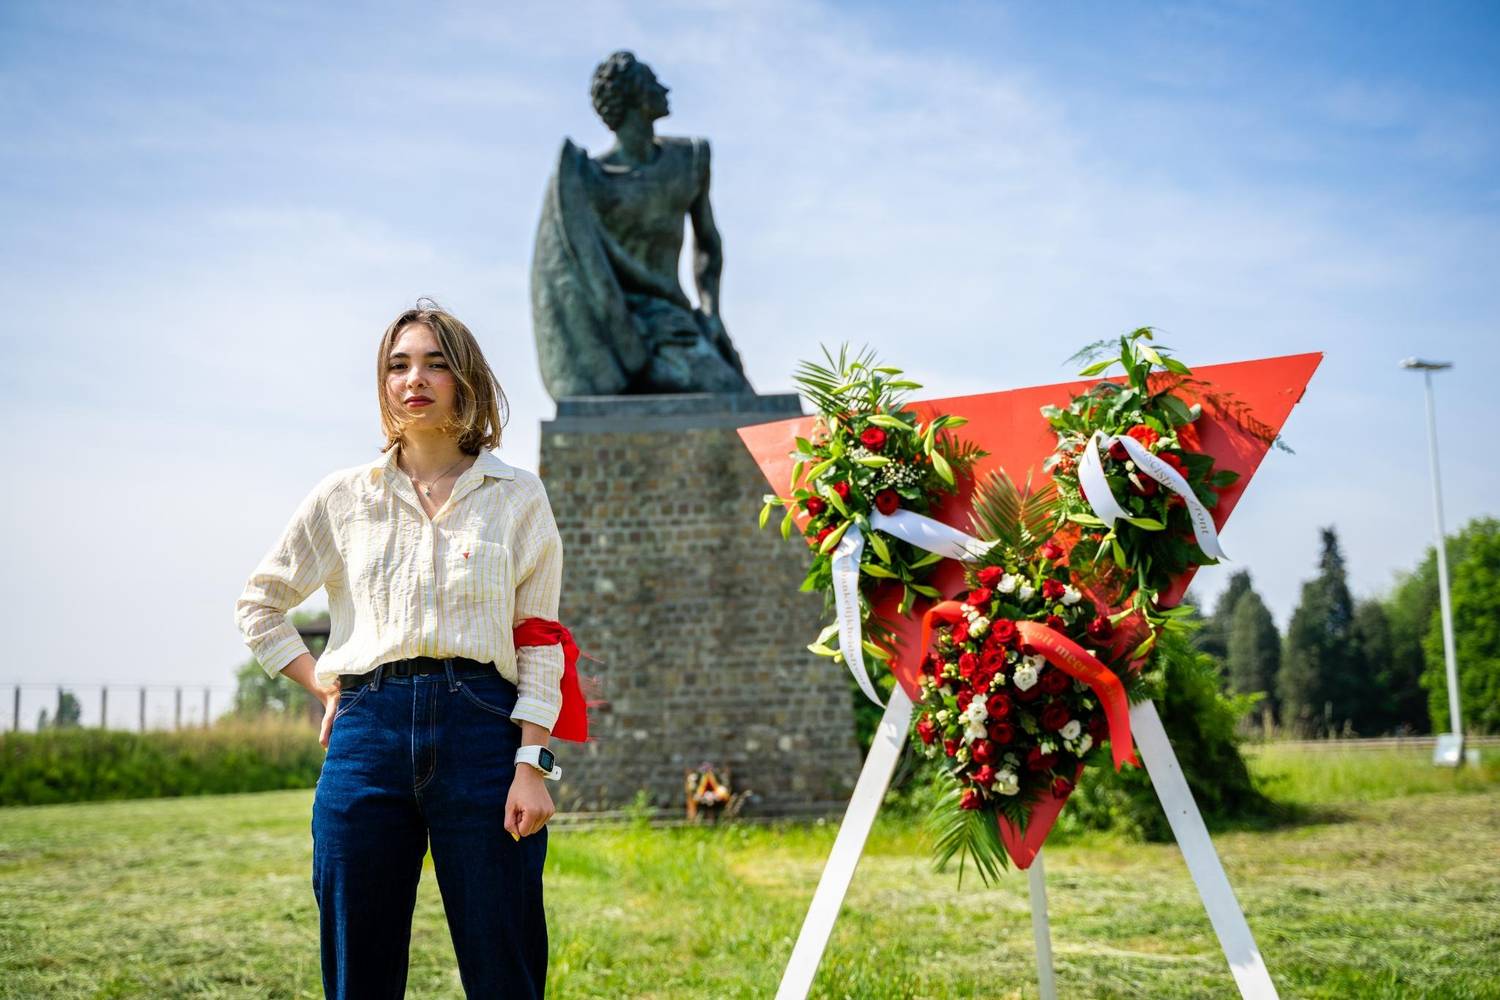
(462, 666)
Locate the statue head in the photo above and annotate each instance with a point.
(622, 86)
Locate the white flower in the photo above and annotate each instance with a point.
(1084, 743)
(1027, 592)
(1071, 730)
(978, 626)
(943, 716)
(1006, 783)
(1071, 595)
(1036, 661)
(1025, 676)
(1008, 583)
(973, 719)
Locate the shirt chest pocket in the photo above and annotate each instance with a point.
(478, 570)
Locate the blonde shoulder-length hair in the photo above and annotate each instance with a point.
(481, 409)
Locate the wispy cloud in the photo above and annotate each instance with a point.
(222, 209)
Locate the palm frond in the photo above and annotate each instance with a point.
(966, 834)
(1021, 518)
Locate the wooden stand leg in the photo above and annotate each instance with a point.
(1041, 929)
(1198, 851)
(869, 791)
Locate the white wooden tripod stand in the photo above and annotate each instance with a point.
(1171, 788)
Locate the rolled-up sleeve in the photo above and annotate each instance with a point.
(291, 572)
(538, 562)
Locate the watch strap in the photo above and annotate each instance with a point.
(532, 755)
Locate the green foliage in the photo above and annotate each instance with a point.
(1417, 685)
(1320, 684)
(1201, 722)
(1213, 637)
(79, 765)
(69, 712)
(1254, 649)
(1475, 594)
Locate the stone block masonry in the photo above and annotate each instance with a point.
(693, 609)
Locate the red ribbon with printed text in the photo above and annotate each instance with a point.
(1073, 660)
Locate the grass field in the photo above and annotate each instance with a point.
(1389, 886)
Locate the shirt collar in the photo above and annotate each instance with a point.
(487, 464)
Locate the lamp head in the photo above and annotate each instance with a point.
(1417, 364)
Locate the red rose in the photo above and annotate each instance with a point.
(964, 697)
(927, 729)
(1004, 631)
(990, 576)
(1144, 434)
(1038, 761)
(1054, 681)
(984, 776)
(983, 751)
(950, 747)
(1143, 485)
(961, 631)
(1061, 787)
(1052, 551)
(993, 657)
(842, 489)
(822, 534)
(1052, 589)
(1054, 622)
(971, 800)
(998, 705)
(1174, 462)
(1118, 453)
(983, 677)
(1097, 727)
(886, 501)
(1003, 733)
(815, 505)
(1030, 694)
(1054, 717)
(1100, 629)
(967, 664)
(978, 598)
(872, 438)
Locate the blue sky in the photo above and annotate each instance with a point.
(211, 211)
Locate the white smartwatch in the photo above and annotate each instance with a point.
(540, 758)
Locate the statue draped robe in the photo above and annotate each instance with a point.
(609, 315)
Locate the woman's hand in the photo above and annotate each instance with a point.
(330, 698)
(529, 805)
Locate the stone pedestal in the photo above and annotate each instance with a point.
(693, 609)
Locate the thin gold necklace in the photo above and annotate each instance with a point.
(427, 490)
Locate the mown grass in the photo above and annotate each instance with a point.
(1383, 894)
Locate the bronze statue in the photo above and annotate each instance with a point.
(609, 314)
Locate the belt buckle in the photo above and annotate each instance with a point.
(401, 668)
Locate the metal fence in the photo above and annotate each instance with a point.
(136, 707)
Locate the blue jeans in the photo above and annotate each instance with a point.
(413, 759)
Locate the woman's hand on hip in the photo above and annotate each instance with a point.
(529, 805)
(330, 698)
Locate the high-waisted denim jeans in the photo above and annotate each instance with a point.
(413, 759)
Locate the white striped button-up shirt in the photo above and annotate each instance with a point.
(401, 584)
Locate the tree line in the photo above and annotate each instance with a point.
(1373, 666)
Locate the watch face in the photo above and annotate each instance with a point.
(545, 759)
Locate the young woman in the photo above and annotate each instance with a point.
(436, 720)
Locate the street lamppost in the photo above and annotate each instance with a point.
(1449, 749)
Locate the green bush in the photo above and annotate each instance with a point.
(1201, 723)
(81, 765)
